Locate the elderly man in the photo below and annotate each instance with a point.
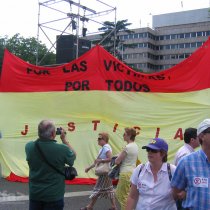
(193, 173)
(46, 186)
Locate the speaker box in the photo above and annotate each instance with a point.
(66, 46)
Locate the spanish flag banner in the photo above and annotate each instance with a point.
(98, 93)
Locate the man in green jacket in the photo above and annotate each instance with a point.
(46, 186)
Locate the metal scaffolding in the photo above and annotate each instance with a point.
(60, 16)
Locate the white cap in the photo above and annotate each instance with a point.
(203, 126)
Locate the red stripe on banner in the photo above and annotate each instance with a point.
(99, 70)
(77, 181)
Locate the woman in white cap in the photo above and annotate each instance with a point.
(150, 183)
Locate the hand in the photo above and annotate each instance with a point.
(97, 161)
(87, 169)
(181, 195)
(63, 136)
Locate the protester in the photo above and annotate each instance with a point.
(193, 172)
(46, 186)
(103, 186)
(191, 142)
(127, 160)
(150, 183)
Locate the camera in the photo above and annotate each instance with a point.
(58, 131)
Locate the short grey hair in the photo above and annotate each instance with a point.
(45, 129)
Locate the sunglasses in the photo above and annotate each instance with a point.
(152, 150)
(205, 132)
(100, 139)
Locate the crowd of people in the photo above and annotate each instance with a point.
(154, 185)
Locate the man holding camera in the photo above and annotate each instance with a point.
(46, 186)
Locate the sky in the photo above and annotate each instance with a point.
(22, 16)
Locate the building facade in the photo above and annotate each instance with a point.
(172, 38)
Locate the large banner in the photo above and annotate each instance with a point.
(98, 93)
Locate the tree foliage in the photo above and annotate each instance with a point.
(108, 37)
(26, 49)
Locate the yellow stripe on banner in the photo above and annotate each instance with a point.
(85, 114)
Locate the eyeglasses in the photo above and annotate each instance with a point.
(100, 138)
(152, 150)
(205, 132)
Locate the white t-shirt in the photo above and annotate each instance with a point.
(154, 195)
(129, 163)
(186, 149)
(104, 150)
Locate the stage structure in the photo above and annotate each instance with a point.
(65, 17)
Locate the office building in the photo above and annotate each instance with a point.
(172, 38)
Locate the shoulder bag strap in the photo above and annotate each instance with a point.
(100, 152)
(169, 171)
(46, 161)
(142, 166)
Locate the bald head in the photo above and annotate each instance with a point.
(46, 129)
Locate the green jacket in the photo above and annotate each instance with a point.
(45, 184)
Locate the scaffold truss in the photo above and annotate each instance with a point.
(65, 17)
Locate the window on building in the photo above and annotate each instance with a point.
(136, 36)
(144, 55)
(173, 46)
(121, 37)
(181, 36)
(193, 34)
(193, 45)
(173, 56)
(130, 36)
(129, 56)
(187, 35)
(207, 33)
(135, 56)
(181, 56)
(161, 37)
(161, 47)
(166, 57)
(181, 45)
(140, 45)
(140, 55)
(187, 45)
(167, 47)
(173, 36)
(187, 55)
(199, 44)
(125, 56)
(145, 44)
(140, 35)
(125, 37)
(200, 33)
(167, 37)
(161, 57)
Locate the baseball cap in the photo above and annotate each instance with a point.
(203, 126)
(157, 144)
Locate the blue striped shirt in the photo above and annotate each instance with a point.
(193, 174)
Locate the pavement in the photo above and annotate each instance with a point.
(14, 196)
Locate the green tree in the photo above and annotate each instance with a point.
(26, 49)
(108, 37)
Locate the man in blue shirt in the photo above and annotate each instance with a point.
(193, 173)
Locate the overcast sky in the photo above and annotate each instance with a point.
(22, 16)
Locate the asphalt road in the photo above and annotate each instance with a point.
(14, 196)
